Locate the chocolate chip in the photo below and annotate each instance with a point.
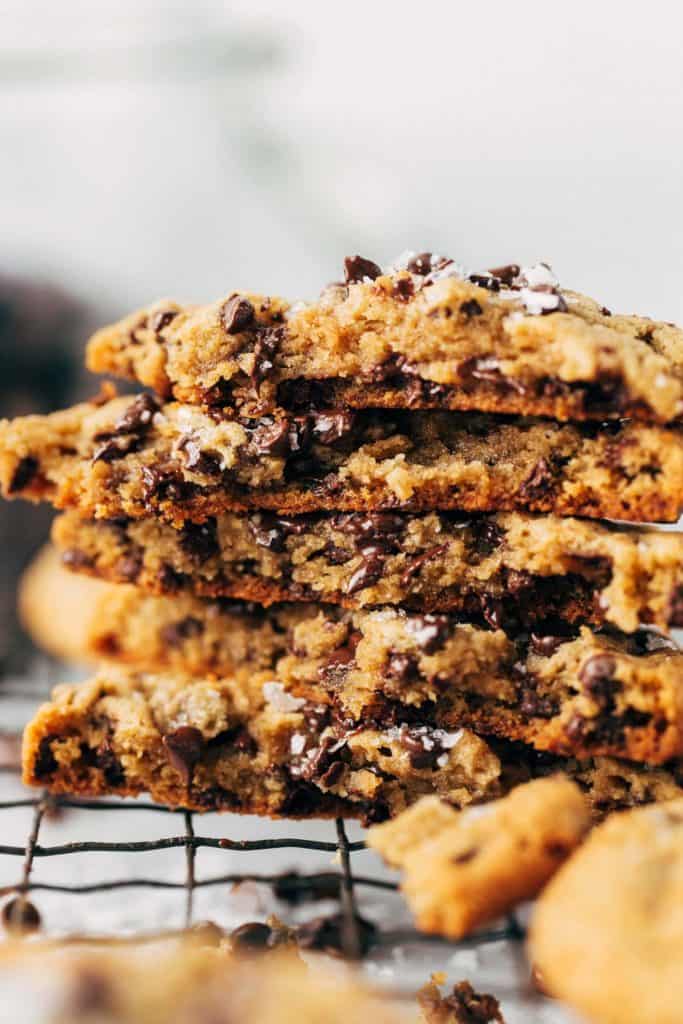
(366, 575)
(138, 417)
(162, 318)
(488, 281)
(24, 474)
(487, 536)
(169, 580)
(340, 658)
(466, 856)
(471, 308)
(676, 608)
(251, 937)
(237, 314)
(294, 888)
(272, 439)
(331, 427)
(370, 525)
(199, 461)
(538, 482)
(533, 705)
(420, 264)
(547, 645)
(174, 633)
(429, 632)
(129, 568)
(506, 274)
(20, 917)
(414, 565)
(420, 755)
(330, 934)
(74, 558)
(267, 344)
(301, 801)
(200, 540)
(162, 483)
(271, 531)
(184, 748)
(402, 667)
(45, 763)
(597, 677)
(403, 289)
(106, 760)
(115, 448)
(463, 1005)
(356, 269)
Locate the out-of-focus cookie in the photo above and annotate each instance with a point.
(488, 859)
(607, 934)
(57, 607)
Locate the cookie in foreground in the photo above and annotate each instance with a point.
(137, 458)
(248, 744)
(464, 869)
(607, 933)
(423, 334)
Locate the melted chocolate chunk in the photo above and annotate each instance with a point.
(330, 934)
(184, 747)
(265, 349)
(116, 448)
(207, 463)
(237, 314)
(367, 573)
(369, 525)
(137, 418)
(331, 427)
(302, 800)
(356, 269)
(273, 439)
(429, 632)
(539, 481)
(24, 474)
(174, 633)
(414, 565)
(597, 677)
(271, 531)
(200, 540)
(160, 483)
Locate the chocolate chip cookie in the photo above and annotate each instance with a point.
(136, 458)
(509, 571)
(607, 932)
(421, 334)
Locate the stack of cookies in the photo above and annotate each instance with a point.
(348, 568)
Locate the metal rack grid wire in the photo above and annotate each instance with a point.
(187, 840)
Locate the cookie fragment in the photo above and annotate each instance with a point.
(487, 859)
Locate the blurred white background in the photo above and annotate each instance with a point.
(190, 148)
